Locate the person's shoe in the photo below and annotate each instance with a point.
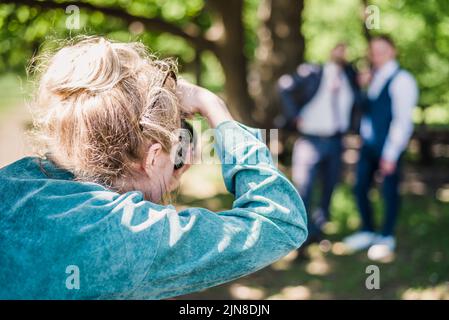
(359, 240)
(382, 248)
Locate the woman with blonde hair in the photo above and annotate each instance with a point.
(86, 221)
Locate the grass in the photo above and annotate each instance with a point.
(420, 268)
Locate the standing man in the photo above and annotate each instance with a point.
(386, 129)
(318, 100)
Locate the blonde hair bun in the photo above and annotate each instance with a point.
(99, 103)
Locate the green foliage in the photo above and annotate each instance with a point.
(25, 29)
(420, 28)
(328, 22)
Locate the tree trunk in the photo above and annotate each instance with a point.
(228, 34)
(280, 51)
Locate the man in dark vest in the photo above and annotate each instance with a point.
(318, 101)
(385, 129)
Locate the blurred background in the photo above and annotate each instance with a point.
(239, 49)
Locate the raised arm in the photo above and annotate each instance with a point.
(404, 93)
(200, 248)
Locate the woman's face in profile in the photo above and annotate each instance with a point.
(164, 170)
(158, 173)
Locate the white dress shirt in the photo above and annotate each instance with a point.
(329, 111)
(404, 97)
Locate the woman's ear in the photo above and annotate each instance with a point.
(152, 156)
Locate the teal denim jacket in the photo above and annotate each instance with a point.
(65, 239)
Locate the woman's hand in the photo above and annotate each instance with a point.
(195, 99)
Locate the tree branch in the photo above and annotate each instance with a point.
(191, 34)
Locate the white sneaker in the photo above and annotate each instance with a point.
(382, 248)
(359, 240)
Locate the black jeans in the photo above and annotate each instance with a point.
(366, 168)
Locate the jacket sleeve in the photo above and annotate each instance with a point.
(404, 94)
(132, 248)
(287, 85)
(199, 248)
